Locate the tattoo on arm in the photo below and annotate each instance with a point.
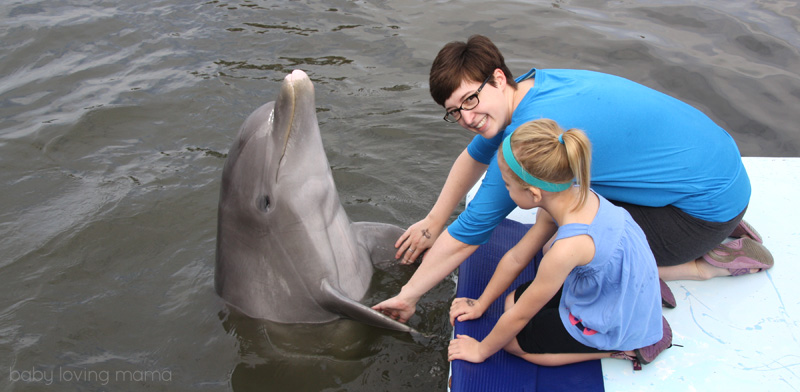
(426, 233)
(470, 302)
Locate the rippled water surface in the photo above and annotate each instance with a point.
(115, 119)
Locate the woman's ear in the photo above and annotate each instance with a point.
(499, 77)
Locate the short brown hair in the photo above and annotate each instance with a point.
(458, 61)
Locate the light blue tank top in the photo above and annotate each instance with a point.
(617, 295)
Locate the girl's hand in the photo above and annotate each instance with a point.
(416, 240)
(466, 348)
(465, 309)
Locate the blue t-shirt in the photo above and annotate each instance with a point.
(648, 149)
(617, 295)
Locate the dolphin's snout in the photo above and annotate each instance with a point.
(296, 75)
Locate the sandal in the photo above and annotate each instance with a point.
(621, 355)
(744, 230)
(648, 354)
(740, 256)
(667, 298)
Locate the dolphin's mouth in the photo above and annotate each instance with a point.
(291, 98)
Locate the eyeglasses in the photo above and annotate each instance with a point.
(468, 104)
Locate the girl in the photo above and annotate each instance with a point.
(596, 293)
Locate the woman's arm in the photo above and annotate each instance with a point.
(420, 236)
(442, 259)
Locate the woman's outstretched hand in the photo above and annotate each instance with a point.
(397, 308)
(416, 240)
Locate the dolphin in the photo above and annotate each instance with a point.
(286, 250)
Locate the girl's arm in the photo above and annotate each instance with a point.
(562, 258)
(509, 267)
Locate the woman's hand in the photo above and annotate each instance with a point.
(397, 308)
(416, 240)
(465, 309)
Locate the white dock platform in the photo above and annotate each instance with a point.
(741, 333)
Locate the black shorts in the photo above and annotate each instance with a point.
(676, 237)
(546, 334)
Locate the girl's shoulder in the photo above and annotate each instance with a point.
(577, 249)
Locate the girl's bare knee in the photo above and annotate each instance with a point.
(509, 301)
(513, 348)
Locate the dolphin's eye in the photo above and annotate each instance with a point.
(263, 203)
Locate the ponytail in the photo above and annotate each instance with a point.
(553, 155)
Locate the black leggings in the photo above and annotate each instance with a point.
(676, 237)
(546, 334)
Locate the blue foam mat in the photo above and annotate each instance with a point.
(503, 371)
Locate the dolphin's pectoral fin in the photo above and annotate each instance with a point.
(337, 302)
(378, 239)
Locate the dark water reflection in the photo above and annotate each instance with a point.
(115, 118)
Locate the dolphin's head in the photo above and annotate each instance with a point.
(278, 168)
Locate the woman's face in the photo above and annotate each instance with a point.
(490, 116)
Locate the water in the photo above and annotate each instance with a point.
(115, 118)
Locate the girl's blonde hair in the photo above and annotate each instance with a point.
(537, 145)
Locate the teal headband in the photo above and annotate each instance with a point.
(508, 155)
